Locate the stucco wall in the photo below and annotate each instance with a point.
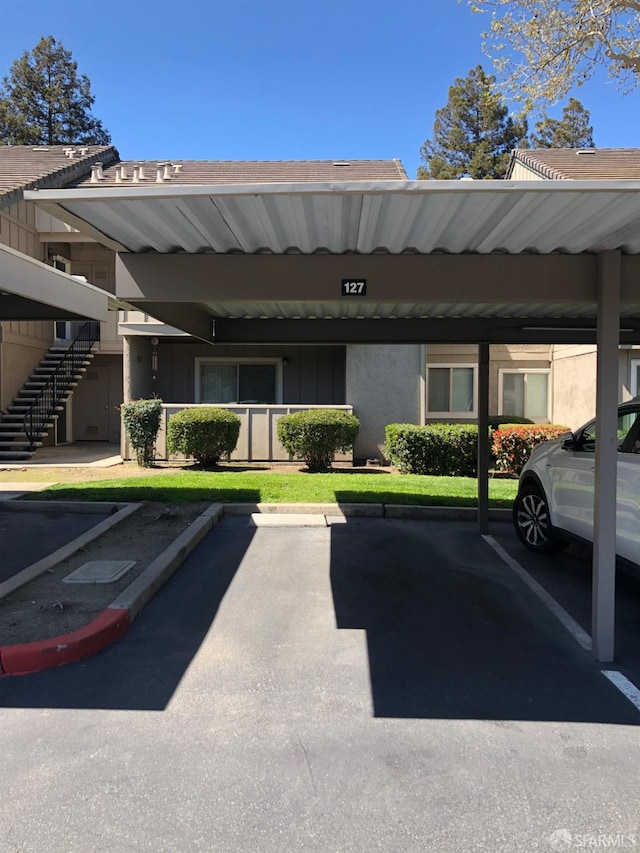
(136, 368)
(385, 384)
(574, 385)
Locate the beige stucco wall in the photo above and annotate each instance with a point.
(384, 384)
(574, 384)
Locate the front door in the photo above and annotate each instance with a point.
(91, 405)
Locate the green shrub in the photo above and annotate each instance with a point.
(141, 420)
(316, 435)
(438, 449)
(512, 445)
(207, 434)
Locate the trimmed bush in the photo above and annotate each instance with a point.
(141, 420)
(449, 450)
(207, 434)
(512, 445)
(316, 435)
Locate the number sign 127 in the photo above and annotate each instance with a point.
(354, 287)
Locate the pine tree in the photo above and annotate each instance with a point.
(573, 130)
(473, 134)
(44, 101)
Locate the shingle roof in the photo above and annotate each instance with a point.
(206, 172)
(580, 164)
(39, 166)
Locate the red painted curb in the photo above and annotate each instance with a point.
(24, 658)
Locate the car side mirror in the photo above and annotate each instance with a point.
(570, 442)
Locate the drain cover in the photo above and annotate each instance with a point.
(100, 571)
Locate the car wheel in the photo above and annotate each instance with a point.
(532, 522)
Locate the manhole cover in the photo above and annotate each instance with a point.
(100, 571)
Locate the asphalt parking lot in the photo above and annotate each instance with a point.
(373, 685)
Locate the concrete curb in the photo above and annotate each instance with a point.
(41, 566)
(113, 622)
(360, 510)
(26, 658)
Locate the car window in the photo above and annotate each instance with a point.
(628, 434)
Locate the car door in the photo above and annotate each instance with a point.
(572, 477)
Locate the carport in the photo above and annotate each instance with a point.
(392, 263)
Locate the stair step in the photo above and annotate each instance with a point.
(19, 445)
(15, 455)
(18, 412)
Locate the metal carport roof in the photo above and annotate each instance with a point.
(532, 258)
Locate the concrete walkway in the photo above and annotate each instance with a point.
(93, 454)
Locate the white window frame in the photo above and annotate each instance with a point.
(510, 370)
(474, 411)
(278, 362)
(634, 365)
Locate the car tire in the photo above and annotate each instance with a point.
(532, 523)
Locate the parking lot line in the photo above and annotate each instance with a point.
(626, 687)
(578, 633)
(621, 682)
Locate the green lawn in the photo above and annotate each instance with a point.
(252, 487)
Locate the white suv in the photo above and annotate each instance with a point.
(556, 493)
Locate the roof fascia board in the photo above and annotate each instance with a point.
(120, 193)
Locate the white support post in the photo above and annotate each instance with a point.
(604, 533)
(483, 438)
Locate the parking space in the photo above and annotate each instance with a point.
(373, 684)
(567, 577)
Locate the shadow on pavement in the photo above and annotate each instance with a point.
(451, 633)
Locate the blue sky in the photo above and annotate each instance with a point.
(278, 80)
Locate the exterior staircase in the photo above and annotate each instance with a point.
(42, 397)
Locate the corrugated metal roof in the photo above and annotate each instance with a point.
(360, 217)
(580, 164)
(27, 166)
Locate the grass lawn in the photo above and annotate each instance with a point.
(256, 487)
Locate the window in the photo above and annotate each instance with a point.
(237, 381)
(525, 393)
(628, 429)
(451, 390)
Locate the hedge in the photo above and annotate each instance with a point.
(141, 419)
(438, 449)
(207, 434)
(512, 445)
(316, 435)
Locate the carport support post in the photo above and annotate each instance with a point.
(604, 533)
(483, 438)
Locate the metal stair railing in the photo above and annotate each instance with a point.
(57, 386)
